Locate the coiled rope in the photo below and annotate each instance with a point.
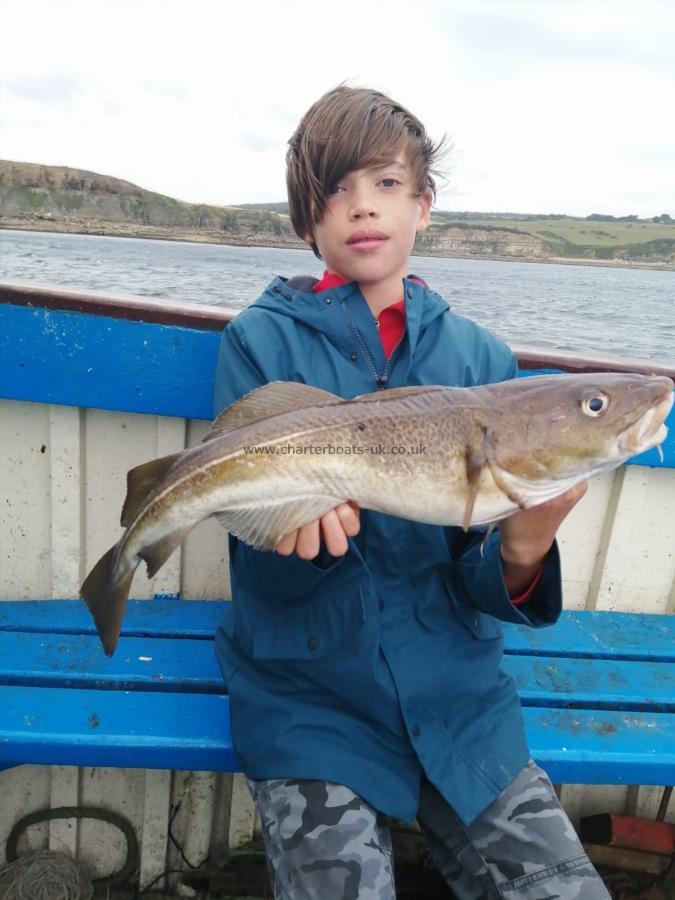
(50, 875)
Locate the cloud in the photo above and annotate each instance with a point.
(258, 143)
(52, 87)
(165, 89)
(555, 106)
(572, 32)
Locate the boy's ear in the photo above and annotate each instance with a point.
(425, 200)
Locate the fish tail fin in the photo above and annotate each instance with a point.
(106, 594)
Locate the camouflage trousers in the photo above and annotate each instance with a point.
(324, 842)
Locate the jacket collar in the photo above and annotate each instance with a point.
(324, 311)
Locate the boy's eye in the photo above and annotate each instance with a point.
(389, 182)
(334, 190)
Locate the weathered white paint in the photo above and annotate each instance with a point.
(102, 846)
(639, 563)
(25, 520)
(59, 511)
(63, 482)
(156, 813)
(580, 541)
(196, 797)
(243, 812)
(64, 791)
(65, 498)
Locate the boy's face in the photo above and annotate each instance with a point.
(369, 225)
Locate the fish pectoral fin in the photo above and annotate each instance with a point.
(474, 461)
(142, 480)
(155, 555)
(271, 399)
(263, 526)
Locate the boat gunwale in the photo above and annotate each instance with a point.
(211, 318)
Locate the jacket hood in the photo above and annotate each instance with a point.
(327, 311)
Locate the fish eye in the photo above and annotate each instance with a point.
(595, 405)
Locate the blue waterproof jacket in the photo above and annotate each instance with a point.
(370, 668)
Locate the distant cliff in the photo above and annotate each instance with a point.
(458, 240)
(58, 198)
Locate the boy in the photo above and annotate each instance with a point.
(362, 657)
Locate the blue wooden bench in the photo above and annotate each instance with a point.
(598, 691)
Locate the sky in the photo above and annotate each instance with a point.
(550, 107)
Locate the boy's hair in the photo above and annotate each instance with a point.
(345, 130)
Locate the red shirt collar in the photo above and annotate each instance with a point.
(329, 280)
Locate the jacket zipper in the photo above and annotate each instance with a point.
(379, 379)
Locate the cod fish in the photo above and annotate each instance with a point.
(287, 453)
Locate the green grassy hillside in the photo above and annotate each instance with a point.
(570, 237)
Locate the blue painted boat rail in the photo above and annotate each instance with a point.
(140, 355)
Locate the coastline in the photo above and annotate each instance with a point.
(153, 232)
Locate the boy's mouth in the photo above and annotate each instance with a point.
(366, 240)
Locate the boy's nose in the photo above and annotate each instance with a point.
(363, 205)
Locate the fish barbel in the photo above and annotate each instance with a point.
(287, 453)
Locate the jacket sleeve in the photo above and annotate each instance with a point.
(238, 373)
(477, 575)
(478, 579)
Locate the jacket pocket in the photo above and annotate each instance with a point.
(313, 630)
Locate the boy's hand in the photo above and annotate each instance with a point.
(527, 536)
(335, 527)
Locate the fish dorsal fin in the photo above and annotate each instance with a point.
(271, 399)
(399, 392)
(142, 480)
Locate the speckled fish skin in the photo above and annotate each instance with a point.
(473, 455)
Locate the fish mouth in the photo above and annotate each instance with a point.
(649, 430)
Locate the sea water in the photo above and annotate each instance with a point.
(589, 309)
